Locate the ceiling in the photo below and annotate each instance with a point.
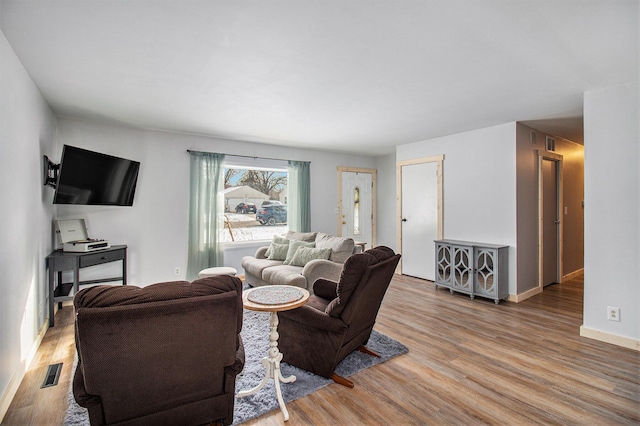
(350, 76)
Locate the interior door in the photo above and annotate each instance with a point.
(419, 218)
(356, 219)
(550, 222)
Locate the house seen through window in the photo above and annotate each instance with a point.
(255, 203)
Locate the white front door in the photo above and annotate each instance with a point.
(357, 212)
(420, 216)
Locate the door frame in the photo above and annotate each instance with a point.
(557, 159)
(399, 165)
(374, 191)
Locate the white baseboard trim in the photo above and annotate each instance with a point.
(614, 339)
(572, 275)
(517, 298)
(14, 383)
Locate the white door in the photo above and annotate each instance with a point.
(356, 219)
(419, 218)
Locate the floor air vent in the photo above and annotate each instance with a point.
(53, 374)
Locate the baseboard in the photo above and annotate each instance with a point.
(572, 275)
(517, 298)
(614, 339)
(14, 383)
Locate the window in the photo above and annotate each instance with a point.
(255, 199)
(356, 211)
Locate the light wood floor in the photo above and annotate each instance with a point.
(469, 362)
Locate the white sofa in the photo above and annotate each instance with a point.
(261, 270)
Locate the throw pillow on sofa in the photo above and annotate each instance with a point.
(293, 247)
(276, 240)
(278, 251)
(304, 255)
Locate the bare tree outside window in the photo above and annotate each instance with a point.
(229, 175)
(263, 180)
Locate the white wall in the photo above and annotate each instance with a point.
(386, 207)
(479, 180)
(155, 228)
(612, 211)
(27, 128)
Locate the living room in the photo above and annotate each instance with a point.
(155, 227)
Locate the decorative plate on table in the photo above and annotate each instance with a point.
(275, 295)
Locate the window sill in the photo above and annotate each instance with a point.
(243, 244)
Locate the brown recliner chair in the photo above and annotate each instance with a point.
(339, 317)
(165, 354)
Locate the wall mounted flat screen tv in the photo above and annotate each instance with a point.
(91, 178)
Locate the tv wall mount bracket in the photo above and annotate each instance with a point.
(51, 171)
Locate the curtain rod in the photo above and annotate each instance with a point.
(250, 156)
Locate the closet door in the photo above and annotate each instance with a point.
(419, 219)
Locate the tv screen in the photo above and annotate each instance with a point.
(91, 178)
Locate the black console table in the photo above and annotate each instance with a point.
(59, 261)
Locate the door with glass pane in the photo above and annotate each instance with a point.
(356, 213)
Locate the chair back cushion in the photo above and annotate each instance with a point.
(357, 271)
(106, 296)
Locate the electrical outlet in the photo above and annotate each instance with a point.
(177, 271)
(613, 314)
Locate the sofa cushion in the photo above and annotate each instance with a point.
(285, 275)
(302, 236)
(276, 240)
(341, 248)
(304, 255)
(277, 251)
(255, 266)
(293, 247)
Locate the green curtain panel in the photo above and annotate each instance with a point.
(299, 210)
(205, 212)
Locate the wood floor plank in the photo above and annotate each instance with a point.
(469, 362)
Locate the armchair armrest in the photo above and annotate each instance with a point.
(314, 318)
(320, 268)
(261, 252)
(326, 289)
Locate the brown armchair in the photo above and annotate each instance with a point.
(339, 317)
(164, 354)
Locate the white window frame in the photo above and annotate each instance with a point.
(260, 164)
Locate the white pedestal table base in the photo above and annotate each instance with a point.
(271, 364)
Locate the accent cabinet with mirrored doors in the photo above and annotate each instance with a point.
(475, 269)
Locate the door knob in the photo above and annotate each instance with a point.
(404, 219)
(344, 223)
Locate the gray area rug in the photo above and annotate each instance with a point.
(255, 335)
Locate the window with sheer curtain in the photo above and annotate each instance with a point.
(236, 199)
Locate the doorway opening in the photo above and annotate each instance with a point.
(550, 225)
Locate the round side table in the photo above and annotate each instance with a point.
(273, 299)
